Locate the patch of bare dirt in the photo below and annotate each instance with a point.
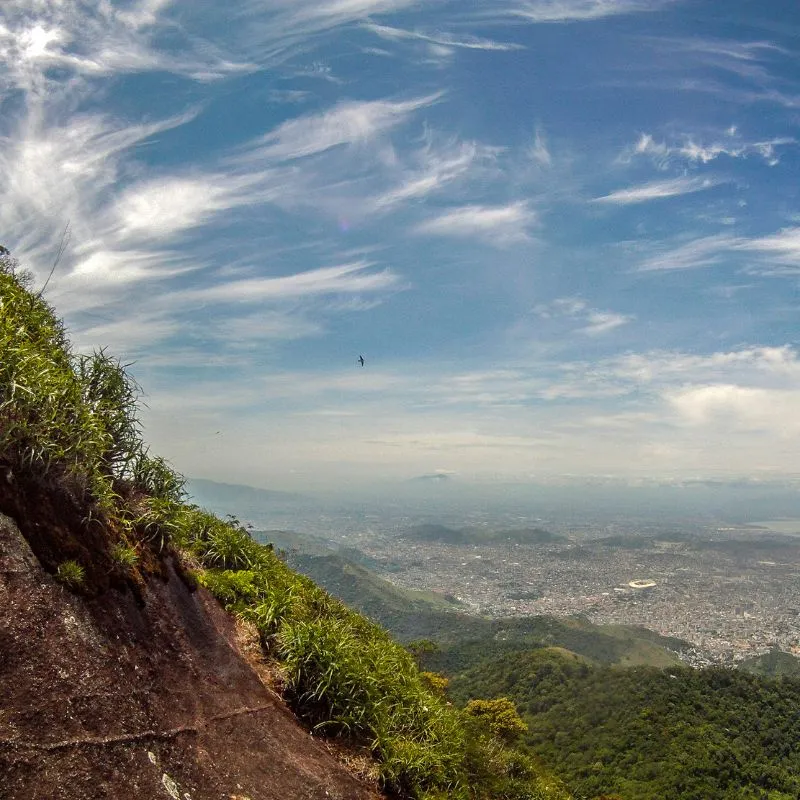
(109, 697)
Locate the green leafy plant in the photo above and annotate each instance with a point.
(125, 555)
(71, 574)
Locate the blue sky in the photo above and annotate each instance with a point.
(565, 234)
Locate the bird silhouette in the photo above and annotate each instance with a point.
(361, 360)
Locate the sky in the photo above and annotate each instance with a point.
(563, 234)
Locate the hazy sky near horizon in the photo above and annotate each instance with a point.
(564, 234)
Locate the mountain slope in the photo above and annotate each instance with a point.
(110, 698)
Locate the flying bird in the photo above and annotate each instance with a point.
(361, 360)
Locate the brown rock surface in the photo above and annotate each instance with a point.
(108, 698)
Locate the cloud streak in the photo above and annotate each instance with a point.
(348, 122)
(500, 225)
(703, 252)
(656, 190)
(441, 38)
(561, 11)
(691, 151)
(341, 279)
(590, 321)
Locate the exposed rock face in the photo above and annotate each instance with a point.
(106, 698)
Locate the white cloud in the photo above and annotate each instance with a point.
(604, 321)
(431, 169)
(776, 254)
(581, 10)
(739, 408)
(164, 206)
(690, 150)
(766, 366)
(591, 321)
(349, 122)
(447, 40)
(656, 191)
(341, 279)
(127, 336)
(702, 252)
(538, 150)
(781, 252)
(91, 40)
(500, 225)
(253, 329)
(646, 414)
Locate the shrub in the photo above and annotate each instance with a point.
(500, 715)
(435, 682)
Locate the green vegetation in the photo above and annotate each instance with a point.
(441, 533)
(406, 614)
(125, 555)
(69, 428)
(347, 677)
(500, 715)
(71, 574)
(772, 665)
(466, 646)
(649, 734)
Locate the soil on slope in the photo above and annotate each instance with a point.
(109, 697)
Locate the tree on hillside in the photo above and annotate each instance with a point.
(500, 715)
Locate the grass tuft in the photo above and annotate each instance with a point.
(71, 574)
(125, 555)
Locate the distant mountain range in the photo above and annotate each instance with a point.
(244, 502)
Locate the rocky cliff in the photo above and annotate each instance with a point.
(119, 696)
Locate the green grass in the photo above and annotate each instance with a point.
(347, 678)
(71, 574)
(125, 555)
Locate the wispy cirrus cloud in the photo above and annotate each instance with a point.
(538, 150)
(349, 122)
(276, 29)
(340, 279)
(776, 254)
(740, 71)
(746, 59)
(95, 40)
(780, 252)
(690, 150)
(656, 190)
(500, 225)
(134, 229)
(67, 171)
(432, 168)
(704, 251)
(590, 321)
(581, 10)
(444, 39)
